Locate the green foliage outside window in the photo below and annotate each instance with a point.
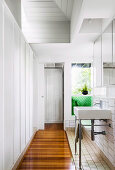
(81, 79)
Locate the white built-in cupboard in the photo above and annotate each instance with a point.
(16, 90)
(104, 52)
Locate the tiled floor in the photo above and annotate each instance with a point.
(91, 159)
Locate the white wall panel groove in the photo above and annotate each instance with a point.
(1, 86)
(27, 93)
(8, 90)
(35, 93)
(31, 93)
(16, 84)
(23, 93)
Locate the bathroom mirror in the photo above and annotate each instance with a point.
(108, 55)
(107, 44)
(98, 63)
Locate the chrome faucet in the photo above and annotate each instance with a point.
(100, 104)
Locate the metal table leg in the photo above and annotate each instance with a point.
(80, 135)
(75, 134)
(92, 129)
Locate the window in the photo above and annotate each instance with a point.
(81, 76)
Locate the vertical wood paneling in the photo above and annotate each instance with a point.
(31, 93)
(16, 90)
(27, 93)
(23, 93)
(8, 90)
(35, 93)
(1, 86)
(16, 84)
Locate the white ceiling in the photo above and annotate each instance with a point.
(43, 10)
(46, 21)
(91, 26)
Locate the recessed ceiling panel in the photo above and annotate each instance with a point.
(44, 21)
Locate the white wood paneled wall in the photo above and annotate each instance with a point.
(16, 90)
(1, 86)
(8, 90)
(27, 93)
(23, 93)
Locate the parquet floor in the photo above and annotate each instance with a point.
(49, 150)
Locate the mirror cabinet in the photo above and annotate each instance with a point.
(104, 58)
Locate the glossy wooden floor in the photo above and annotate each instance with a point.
(49, 150)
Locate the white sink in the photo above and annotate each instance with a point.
(92, 113)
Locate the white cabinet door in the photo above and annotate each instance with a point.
(112, 76)
(8, 90)
(27, 93)
(16, 87)
(98, 64)
(106, 77)
(1, 86)
(23, 93)
(107, 45)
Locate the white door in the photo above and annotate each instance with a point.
(41, 104)
(53, 96)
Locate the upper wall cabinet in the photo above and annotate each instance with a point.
(107, 44)
(108, 53)
(97, 63)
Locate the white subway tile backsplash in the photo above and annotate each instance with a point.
(112, 102)
(107, 143)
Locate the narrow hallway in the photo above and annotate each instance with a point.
(49, 150)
